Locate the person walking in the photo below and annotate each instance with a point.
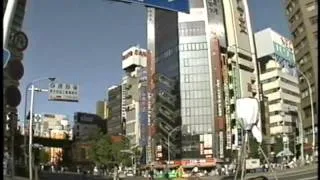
(151, 173)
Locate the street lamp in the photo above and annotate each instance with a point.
(312, 111)
(169, 134)
(31, 84)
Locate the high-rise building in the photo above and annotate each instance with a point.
(303, 24)
(114, 121)
(102, 109)
(279, 80)
(134, 95)
(206, 61)
(86, 125)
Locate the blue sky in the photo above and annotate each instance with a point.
(81, 41)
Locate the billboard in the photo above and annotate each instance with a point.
(283, 48)
(172, 5)
(143, 104)
(63, 92)
(216, 21)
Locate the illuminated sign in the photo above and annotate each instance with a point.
(172, 5)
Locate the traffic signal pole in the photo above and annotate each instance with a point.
(7, 20)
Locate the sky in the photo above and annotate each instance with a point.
(81, 41)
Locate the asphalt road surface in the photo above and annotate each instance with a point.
(302, 173)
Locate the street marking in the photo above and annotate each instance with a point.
(310, 178)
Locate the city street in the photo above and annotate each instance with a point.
(304, 173)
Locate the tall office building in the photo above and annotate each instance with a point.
(114, 121)
(303, 24)
(206, 62)
(102, 109)
(135, 96)
(279, 80)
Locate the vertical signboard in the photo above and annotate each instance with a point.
(226, 101)
(221, 144)
(216, 21)
(143, 103)
(151, 99)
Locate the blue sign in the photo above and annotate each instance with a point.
(6, 57)
(172, 5)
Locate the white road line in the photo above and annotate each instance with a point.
(310, 178)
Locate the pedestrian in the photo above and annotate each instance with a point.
(151, 173)
(115, 172)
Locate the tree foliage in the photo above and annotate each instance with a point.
(104, 152)
(44, 156)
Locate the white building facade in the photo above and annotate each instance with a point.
(283, 94)
(279, 80)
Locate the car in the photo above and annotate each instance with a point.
(129, 173)
(122, 175)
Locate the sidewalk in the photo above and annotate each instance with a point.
(15, 178)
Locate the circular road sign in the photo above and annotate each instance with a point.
(20, 40)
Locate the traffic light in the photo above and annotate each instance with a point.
(12, 74)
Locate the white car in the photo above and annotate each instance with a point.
(129, 173)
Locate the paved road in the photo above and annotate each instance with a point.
(303, 173)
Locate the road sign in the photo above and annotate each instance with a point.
(63, 92)
(172, 5)
(6, 57)
(20, 40)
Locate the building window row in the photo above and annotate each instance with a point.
(269, 80)
(193, 46)
(310, 6)
(285, 101)
(197, 94)
(299, 30)
(288, 82)
(197, 119)
(194, 70)
(200, 102)
(295, 18)
(290, 7)
(276, 101)
(196, 111)
(191, 62)
(300, 45)
(194, 54)
(195, 28)
(195, 86)
(305, 59)
(196, 77)
(290, 92)
(271, 90)
(314, 20)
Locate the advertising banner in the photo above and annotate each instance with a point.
(172, 5)
(143, 116)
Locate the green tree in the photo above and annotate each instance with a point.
(44, 156)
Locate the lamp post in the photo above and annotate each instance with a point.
(169, 134)
(312, 111)
(31, 117)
